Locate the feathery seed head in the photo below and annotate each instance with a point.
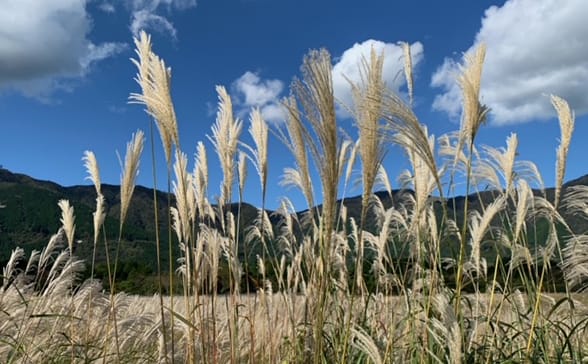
(182, 191)
(410, 134)
(242, 170)
(300, 176)
(201, 172)
(259, 132)
(499, 161)
(408, 69)
(317, 99)
(99, 216)
(474, 113)
(130, 172)
(154, 78)
(479, 225)
(575, 264)
(369, 98)
(68, 221)
(91, 165)
(225, 137)
(566, 124)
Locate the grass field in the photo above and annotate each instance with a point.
(325, 296)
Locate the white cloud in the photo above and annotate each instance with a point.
(251, 91)
(348, 67)
(107, 7)
(44, 43)
(144, 19)
(146, 15)
(534, 48)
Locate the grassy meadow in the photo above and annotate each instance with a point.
(410, 281)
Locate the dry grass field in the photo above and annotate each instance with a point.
(325, 296)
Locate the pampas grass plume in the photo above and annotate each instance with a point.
(130, 172)
(259, 133)
(154, 78)
(91, 165)
(68, 221)
(225, 137)
(566, 124)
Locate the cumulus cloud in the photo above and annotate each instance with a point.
(147, 15)
(534, 48)
(251, 91)
(44, 43)
(347, 67)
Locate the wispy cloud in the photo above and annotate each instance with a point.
(45, 44)
(253, 91)
(152, 15)
(534, 48)
(107, 7)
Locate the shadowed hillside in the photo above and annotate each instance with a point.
(31, 216)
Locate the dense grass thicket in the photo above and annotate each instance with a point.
(320, 287)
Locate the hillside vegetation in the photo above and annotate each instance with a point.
(31, 217)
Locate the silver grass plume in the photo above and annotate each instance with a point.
(255, 232)
(33, 262)
(479, 225)
(501, 161)
(575, 263)
(566, 124)
(48, 252)
(93, 171)
(423, 178)
(225, 137)
(409, 133)
(242, 170)
(364, 342)
(383, 180)
(346, 152)
(63, 273)
(470, 80)
(201, 176)
(68, 221)
(181, 187)
(154, 78)
(258, 129)
(315, 94)
(575, 201)
(299, 176)
(543, 208)
(551, 245)
(351, 158)
(130, 170)
(10, 271)
(452, 152)
(368, 99)
(408, 69)
(99, 216)
(449, 327)
(56, 269)
(523, 205)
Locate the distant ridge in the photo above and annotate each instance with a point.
(30, 215)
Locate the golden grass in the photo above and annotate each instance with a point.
(324, 282)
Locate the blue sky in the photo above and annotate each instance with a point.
(65, 74)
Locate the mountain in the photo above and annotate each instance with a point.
(30, 216)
